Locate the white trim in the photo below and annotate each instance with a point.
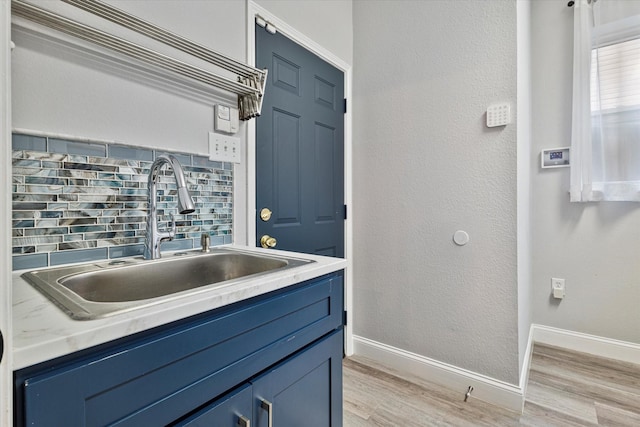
(526, 364)
(616, 32)
(252, 10)
(598, 346)
(485, 388)
(6, 383)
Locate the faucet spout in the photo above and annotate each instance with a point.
(185, 205)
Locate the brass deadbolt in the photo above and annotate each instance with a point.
(265, 214)
(267, 241)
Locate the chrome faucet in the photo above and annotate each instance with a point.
(185, 205)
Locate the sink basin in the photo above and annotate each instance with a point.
(91, 291)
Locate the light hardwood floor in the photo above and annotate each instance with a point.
(565, 389)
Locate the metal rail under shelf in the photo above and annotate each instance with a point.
(251, 81)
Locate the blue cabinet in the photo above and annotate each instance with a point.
(303, 390)
(281, 346)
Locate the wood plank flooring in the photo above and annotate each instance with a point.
(565, 388)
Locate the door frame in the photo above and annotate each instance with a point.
(6, 372)
(254, 10)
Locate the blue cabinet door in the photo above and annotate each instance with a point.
(305, 390)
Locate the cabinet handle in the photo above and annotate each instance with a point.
(244, 421)
(268, 406)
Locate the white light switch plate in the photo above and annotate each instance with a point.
(224, 148)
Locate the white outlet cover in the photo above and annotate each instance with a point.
(557, 288)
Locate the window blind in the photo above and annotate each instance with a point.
(615, 77)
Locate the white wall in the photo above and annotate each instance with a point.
(594, 246)
(425, 166)
(327, 22)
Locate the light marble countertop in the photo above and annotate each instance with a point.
(42, 331)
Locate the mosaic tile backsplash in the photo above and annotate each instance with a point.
(81, 201)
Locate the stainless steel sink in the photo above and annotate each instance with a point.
(97, 290)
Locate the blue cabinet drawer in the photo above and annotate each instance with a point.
(167, 375)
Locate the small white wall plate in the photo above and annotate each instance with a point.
(498, 115)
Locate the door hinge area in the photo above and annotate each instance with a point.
(344, 318)
(345, 211)
(345, 105)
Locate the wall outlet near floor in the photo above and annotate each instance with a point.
(557, 287)
(224, 148)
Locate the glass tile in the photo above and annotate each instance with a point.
(45, 231)
(24, 250)
(126, 251)
(23, 262)
(20, 206)
(49, 222)
(75, 147)
(23, 223)
(28, 142)
(26, 163)
(69, 256)
(51, 165)
(22, 197)
(184, 159)
(130, 153)
(35, 240)
(206, 163)
(47, 248)
(86, 228)
(176, 244)
(51, 214)
(77, 221)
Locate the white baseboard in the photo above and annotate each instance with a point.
(591, 344)
(485, 388)
(526, 364)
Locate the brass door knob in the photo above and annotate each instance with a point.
(265, 214)
(267, 241)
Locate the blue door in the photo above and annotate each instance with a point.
(299, 150)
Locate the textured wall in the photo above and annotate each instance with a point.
(594, 246)
(326, 22)
(425, 166)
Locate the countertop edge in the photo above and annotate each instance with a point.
(41, 331)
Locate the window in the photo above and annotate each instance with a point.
(606, 135)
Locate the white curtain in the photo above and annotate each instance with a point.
(605, 136)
